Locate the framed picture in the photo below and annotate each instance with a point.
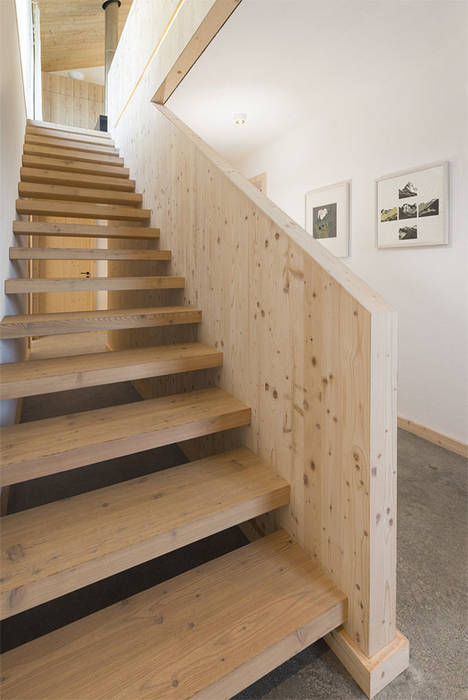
(412, 208)
(327, 217)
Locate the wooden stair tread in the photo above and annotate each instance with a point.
(65, 179)
(17, 285)
(46, 228)
(71, 144)
(33, 377)
(65, 127)
(74, 166)
(218, 627)
(105, 139)
(19, 253)
(78, 194)
(22, 326)
(34, 449)
(81, 210)
(76, 541)
(70, 154)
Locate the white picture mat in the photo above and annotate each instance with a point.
(339, 193)
(432, 183)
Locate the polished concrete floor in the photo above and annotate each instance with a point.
(431, 565)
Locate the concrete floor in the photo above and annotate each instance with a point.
(431, 565)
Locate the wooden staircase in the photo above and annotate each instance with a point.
(206, 633)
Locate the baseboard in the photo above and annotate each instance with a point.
(445, 441)
(373, 673)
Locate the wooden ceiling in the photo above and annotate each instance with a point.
(72, 33)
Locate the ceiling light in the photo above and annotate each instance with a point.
(240, 119)
(76, 74)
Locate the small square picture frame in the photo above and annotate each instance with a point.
(327, 216)
(412, 207)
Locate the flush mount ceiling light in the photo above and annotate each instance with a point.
(240, 119)
(76, 74)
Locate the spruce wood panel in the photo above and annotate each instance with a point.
(74, 166)
(78, 194)
(68, 154)
(41, 447)
(72, 145)
(41, 228)
(59, 128)
(97, 137)
(62, 373)
(65, 179)
(23, 326)
(16, 285)
(81, 210)
(73, 36)
(17, 253)
(77, 541)
(308, 345)
(75, 102)
(218, 14)
(222, 626)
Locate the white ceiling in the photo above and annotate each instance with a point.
(276, 60)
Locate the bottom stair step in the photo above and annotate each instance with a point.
(207, 633)
(77, 541)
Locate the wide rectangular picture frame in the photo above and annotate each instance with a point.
(430, 229)
(337, 195)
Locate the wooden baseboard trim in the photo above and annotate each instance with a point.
(373, 673)
(445, 441)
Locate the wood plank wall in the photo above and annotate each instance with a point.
(71, 102)
(307, 345)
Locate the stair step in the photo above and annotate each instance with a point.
(17, 253)
(69, 154)
(36, 123)
(18, 285)
(84, 321)
(74, 166)
(76, 541)
(89, 147)
(207, 633)
(100, 137)
(81, 210)
(59, 177)
(34, 377)
(42, 447)
(79, 194)
(47, 228)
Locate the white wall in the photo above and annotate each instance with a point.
(405, 107)
(12, 126)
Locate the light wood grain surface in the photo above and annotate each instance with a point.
(200, 627)
(34, 377)
(40, 228)
(41, 447)
(73, 542)
(23, 326)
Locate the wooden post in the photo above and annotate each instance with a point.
(111, 9)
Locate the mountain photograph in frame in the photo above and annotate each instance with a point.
(420, 200)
